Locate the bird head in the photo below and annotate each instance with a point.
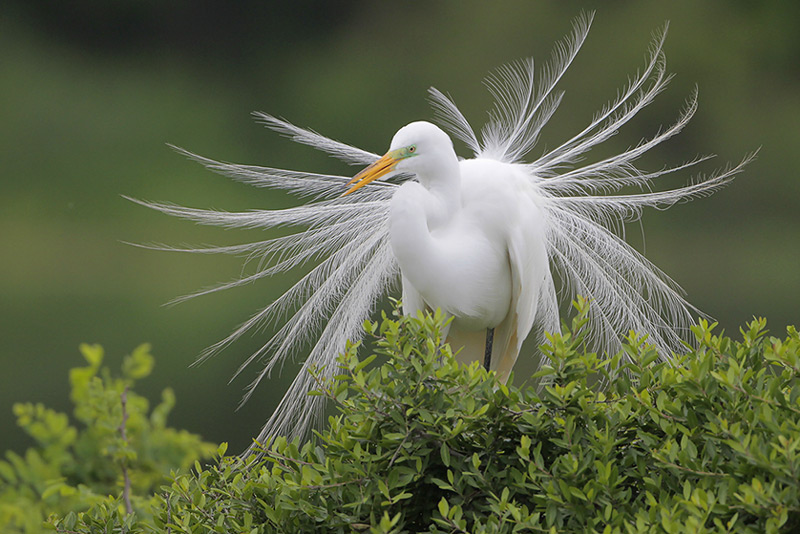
(416, 148)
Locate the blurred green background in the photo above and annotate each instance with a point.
(91, 91)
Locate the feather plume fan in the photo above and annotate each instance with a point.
(347, 238)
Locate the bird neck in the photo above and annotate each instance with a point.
(414, 213)
(443, 182)
(420, 207)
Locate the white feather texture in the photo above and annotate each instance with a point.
(346, 239)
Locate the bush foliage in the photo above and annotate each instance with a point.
(708, 443)
(83, 464)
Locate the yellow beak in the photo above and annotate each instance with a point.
(383, 166)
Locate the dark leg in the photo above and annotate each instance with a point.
(487, 356)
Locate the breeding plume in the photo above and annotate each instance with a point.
(479, 238)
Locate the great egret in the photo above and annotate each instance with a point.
(486, 254)
(469, 238)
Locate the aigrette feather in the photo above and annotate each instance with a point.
(346, 239)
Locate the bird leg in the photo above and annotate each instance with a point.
(487, 356)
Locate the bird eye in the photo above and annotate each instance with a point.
(412, 149)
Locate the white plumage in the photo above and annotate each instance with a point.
(470, 240)
(488, 267)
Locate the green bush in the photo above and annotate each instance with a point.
(709, 443)
(73, 469)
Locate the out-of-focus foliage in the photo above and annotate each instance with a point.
(709, 444)
(82, 463)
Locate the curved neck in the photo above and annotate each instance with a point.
(418, 208)
(410, 221)
(442, 180)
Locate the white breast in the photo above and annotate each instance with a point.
(461, 265)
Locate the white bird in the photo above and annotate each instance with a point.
(469, 238)
(478, 238)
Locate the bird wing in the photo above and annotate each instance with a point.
(533, 299)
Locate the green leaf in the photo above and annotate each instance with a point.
(444, 507)
(139, 364)
(93, 354)
(444, 451)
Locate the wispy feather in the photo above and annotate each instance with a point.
(344, 241)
